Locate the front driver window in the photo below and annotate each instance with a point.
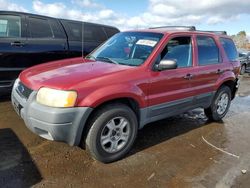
(180, 50)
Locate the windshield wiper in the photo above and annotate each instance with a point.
(128, 64)
(107, 59)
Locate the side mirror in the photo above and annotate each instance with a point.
(166, 65)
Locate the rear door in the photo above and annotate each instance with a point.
(209, 67)
(12, 47)
(47, 40)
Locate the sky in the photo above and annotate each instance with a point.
(230, 15)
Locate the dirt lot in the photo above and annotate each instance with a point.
(183, 151)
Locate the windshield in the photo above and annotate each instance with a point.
(127, 48)
(242, 55)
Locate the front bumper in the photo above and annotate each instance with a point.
(59, 124)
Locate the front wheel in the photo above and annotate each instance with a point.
(112, 132)
(220, 104)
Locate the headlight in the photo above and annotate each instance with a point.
(16, 83)
(56, 98)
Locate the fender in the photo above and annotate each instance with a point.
(113, 92)
(226, 76)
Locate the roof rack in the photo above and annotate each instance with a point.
(216, 32)
(181, 28)
(188, 28)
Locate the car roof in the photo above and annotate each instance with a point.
(67, 20)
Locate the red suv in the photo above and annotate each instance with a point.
(134, 78)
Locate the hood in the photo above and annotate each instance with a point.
(66, 74)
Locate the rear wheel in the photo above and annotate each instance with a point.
(220, 104)
(112, 132)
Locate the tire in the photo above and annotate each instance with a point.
(217, 111)
(243, 69)
(117, 125)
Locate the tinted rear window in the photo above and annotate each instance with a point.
(40, 28)
(229, 48)
(57, 29)
(208, 52)
(94, 33)
(91, 32)
(74, 30)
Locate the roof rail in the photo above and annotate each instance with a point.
(182, 28)
(188, 28)
(216, 32)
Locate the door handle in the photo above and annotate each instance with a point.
(219, 71)
(188, 76)
(17, 43)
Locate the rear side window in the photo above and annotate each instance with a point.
(91, 31)
(110, 31)
(74, 30)
(208, 51)
(94, 33)
(229, 48)
(40, 28)
(57, 29)
(10, 26)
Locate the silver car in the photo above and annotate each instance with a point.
(244, 58)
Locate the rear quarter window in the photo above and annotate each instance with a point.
(229, 48)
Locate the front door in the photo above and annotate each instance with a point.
(170, 92)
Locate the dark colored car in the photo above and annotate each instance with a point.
(29, 39)
(244, 58)
(134, 78)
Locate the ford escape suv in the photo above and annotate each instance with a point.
(134, 78)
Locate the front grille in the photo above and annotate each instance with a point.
(23, 90)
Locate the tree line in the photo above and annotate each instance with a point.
(241, 40)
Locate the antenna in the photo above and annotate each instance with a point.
(83, 39)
